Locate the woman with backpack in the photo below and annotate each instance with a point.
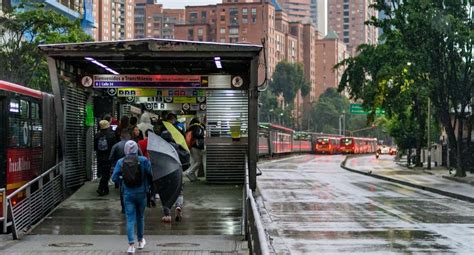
(195, 141)
(103, 142)
(133, 172)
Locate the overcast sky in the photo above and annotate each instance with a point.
(182, 3)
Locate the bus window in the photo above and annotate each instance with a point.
(346, 141)
(14, 124)
(36, 126)
(323, 140)
(25, 127)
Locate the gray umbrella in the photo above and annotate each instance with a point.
(164, 158)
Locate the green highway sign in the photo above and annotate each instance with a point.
(357, 109)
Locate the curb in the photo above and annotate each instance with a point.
(458, 180)
(437, 191)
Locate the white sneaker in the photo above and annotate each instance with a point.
(141, 244)
(131, 249)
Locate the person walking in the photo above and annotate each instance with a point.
(133, 172)
(116, 153)
(144, 143)
(195, 141)
(167, 173)
(103, 142)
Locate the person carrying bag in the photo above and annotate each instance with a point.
(133, 172)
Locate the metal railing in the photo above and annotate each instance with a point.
(4, 217)
(254, 230)
(34, 200)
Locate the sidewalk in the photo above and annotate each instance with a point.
(88, 224)
(436, 180)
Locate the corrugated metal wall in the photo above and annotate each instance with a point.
(224, 107)
(75, 136)
(226, 161)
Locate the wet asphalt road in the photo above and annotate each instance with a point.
(313, 206)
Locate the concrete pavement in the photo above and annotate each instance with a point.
(88, 224)
(387, 169)
(310, 205)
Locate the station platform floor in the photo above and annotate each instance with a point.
(88, 224)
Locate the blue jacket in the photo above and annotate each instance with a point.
(146, 174)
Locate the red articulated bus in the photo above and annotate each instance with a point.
(22, 127)
(357, 145)
(327, 145)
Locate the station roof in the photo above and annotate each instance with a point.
(151, 56)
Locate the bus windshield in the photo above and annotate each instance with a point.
(323, 140)
(346, 141)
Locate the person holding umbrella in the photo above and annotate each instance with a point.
(167, 174)
(133, 172)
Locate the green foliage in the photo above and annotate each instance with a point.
(22, 30)
(426, 53)
(288, 79)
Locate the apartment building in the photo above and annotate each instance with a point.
(298, 10)
(114, 19)
(347, 18)
(151, 20)
(319, 15)
(329, 51)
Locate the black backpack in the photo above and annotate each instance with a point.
(131, 172)
(184, 156)
(198, 135)
(102, 143)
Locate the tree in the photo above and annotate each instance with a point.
(427, 53)
(22, 30)
(288, 79)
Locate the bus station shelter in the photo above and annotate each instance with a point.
(214, 80)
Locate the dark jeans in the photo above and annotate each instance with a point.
(104, 168)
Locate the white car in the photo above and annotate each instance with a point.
(384, 149)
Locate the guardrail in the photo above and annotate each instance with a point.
(4, 217)
(254, 230)
(34, 200)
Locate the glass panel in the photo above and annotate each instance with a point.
(24, 109)
(14, 131)
(36, 133)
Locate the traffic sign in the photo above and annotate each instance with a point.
(357, 109)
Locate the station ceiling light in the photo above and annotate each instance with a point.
(101, 65)
(217, 60)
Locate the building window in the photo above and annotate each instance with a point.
(222, 31)
(346, 13)
(222, 17)
(192, 17)
(234, 16)
(346, 33)
(254, 15)
(190, 34)
(346, 26)
(346, 20)
(244, 12)
(222, 40)
(200, 32)
(234, 31)
(203, 16)
(245, 20)
(346, 40)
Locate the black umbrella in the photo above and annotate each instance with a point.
(166, 168)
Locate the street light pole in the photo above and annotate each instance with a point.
(344, 123)
(429, 133)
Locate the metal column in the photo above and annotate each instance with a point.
(253, 123)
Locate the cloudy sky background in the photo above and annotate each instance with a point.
(183, 3)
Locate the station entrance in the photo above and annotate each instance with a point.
(216, 83)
